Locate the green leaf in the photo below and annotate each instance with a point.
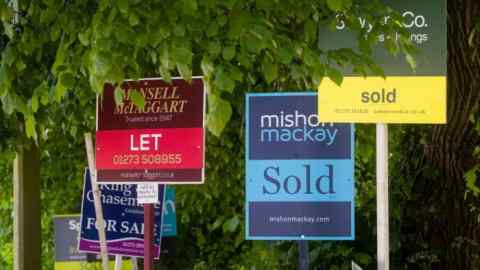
(270, 70)
(123, 35)
(185, 71)
(161, 34)
(391, 46)
(310, 31)
(30, 127)
(207, 66)
(119, 95)
(9, 55)
(363, 258)
(310, 57)
(222, 19)
(179, 30)
(60, 91)
(471, 181)
(182, 55)
(231, 224)
(104, 44)
(285, 55)
(347, 4)
(236, 74)
(67, 80)
(335, 76)
(377, 70)
(6, 78)
(42, 91)
(239, 240)
(253, 43)
(122, 5)
(214, 48)
(244, 59)
(223, 81)
(102, 64)
(317, 74)
(133, 19)
(228, 53)
(165, 73)
(8, 105)
(212, 29)
(335, 5)
(20, 65)
(411, 61)
(55, 32)
(229, 4)
(190, 6)
(219, 113)
(34, 103)
(138, 99)
(217, 224)
(164, 57)
(73, 131)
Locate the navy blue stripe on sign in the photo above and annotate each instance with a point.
(288, 127)
(297, 219)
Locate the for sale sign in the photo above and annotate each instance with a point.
(124, 223)
(299, 171)
(163, 142)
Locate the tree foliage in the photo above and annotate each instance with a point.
(64, 49)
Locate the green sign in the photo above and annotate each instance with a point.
(425, 20)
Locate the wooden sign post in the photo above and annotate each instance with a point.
(98, 205)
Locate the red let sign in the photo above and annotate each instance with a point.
(163, 143)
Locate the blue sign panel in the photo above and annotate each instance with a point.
(124, 219)
(66, 230)
(299, 171)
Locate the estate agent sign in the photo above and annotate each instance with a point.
(405, 96)
(164, 143)
(299, 171)
(124, 219)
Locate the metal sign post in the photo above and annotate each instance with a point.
(118, 262)
(304, 259)
(149, 222)
(383, 249)
(134, 263)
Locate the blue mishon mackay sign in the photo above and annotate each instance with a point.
(299, 171)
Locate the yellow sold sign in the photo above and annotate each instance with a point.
(396, 99)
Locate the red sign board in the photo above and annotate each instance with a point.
(163, 143)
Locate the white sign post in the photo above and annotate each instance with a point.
(383, 248)
(118, 262)
(355, 266)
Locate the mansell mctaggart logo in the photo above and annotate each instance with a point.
(158, 99)
(299, 170)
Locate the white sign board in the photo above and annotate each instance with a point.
(147, 193)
